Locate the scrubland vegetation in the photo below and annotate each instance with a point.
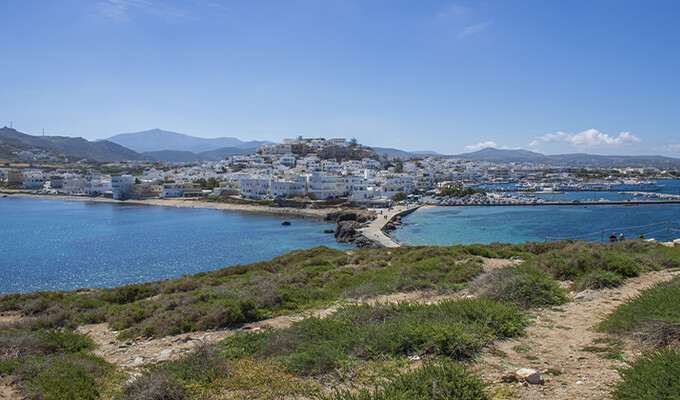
(653, 320)
(360, 350)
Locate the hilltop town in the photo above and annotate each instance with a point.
(316, 169)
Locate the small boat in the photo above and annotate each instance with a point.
(636, 186)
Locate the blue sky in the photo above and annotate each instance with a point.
(551, 76)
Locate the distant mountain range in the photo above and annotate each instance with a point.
(577, 159)
(76, 148)
(396, 153)
(188, 156)
(161, 145)
(158, 140)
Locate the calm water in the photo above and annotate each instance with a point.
(518, 224)
(58, 244)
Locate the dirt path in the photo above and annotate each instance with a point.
(555, 343)
(136, 353)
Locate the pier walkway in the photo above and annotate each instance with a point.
(374, 230)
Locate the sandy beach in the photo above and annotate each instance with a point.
(183, 203)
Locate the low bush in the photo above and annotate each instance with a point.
(454, 329)
(656, 375)
(653, 317)
(522, 285)
(63, 376)
(598, 279)
(52, 364)
(19, 343)
(158, 385)
(447, 381)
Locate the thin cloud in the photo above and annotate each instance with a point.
(452, 11)
(120, 11)
(471, 30)
(481, 145)
(589, 138)
(668, 147)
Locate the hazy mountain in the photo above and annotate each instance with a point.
(172, 155)
(576, 159)
(582, 159)
(159, 140)
(78, 148)
(188, 156)
(221, 154)
(495, 155)
(405, 155)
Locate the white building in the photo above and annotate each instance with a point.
(96, 188)
(34, 181)
(120, 185)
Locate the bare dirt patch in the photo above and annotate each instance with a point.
(8, 389)
(554, 346)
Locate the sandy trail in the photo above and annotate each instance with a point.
(556, 339)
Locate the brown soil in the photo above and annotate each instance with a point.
(553, 346)
(8, 390)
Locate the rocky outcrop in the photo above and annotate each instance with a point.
(360, 216)
(347, 231)
(349, 223)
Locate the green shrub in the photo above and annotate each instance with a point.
(522, 285)
(653, 376)
(127, 294)
(73, 376)
(598, 279)
(157, 385)
(447, 381)
(455, 329)
(653, 317)
(18, 343)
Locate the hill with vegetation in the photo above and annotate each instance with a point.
(402, 323)
(75, 148)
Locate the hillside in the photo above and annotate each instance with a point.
(365, 324)
(77, 148)
(159, 140)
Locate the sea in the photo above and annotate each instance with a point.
(446, 226)
(53, 244)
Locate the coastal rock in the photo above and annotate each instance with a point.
(347, 231)
(362, 241)
(285, 223)
(389, 227)
(329, 231)
(360, 216)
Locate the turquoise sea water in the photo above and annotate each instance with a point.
(518, 224)
(63, 245)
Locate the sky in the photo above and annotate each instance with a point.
(596, 76)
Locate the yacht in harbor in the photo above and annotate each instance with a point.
(637, 186)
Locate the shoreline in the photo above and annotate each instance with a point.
(184, 203)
